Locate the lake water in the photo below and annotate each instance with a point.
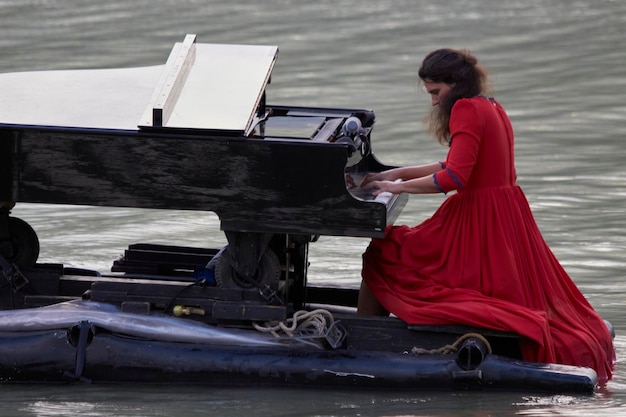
(556, 65)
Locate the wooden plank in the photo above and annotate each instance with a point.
(171, 248)
(176, 259)
(225, 310)
(113, 98)
(171, 84)
(168, 290)
(213, 87)
(222, 90)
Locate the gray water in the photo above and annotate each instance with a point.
(556, 65)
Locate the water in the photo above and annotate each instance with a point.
(556, 65)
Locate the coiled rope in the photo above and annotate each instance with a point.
(453, 348)
(314, 322)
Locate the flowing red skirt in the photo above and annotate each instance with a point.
(480, 260)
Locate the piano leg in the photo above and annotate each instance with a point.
(276, 264)
(248, 263)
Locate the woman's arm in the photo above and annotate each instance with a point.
(415, 180)
(423, 185)
(401, 173)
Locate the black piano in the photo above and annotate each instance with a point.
(193, 134)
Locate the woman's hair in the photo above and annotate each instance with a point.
(460, 69)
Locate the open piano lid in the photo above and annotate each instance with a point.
(202, 86)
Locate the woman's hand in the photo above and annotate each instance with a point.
(376, 176)
(412, 179)
(350, 183)
(383, 186)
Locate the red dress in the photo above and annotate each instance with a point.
(480, 260)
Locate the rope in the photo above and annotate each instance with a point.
(450, 349)
(302, 321)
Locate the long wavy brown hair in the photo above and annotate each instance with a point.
(460, 69)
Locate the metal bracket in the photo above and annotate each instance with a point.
(13, 275)
(245, 251)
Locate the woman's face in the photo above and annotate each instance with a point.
(438, 91)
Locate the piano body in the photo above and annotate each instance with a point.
(193, 134)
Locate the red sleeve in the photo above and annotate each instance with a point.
(465, 134)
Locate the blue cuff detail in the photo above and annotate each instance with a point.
(437, 184)
(455, 178)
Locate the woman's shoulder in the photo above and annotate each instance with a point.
(466, 105)
(474, 104)
(476, 101)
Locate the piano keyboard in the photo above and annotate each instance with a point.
(368, 195)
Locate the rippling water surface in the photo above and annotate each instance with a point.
(556, 65)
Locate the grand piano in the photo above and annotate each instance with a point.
(193, 134)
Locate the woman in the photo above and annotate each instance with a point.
(480, 260)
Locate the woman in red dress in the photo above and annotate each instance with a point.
(480, 260)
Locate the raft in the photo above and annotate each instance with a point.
(144, 328)
(92, 342)
(198, 134)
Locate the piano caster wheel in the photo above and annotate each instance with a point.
(22, 246)
(268, 273)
